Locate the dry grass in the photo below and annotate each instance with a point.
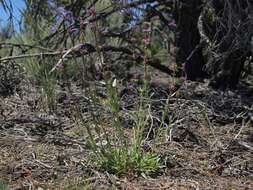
(48, 150)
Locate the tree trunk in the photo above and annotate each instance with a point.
(189, 54)
(232, 45)
(229, 75)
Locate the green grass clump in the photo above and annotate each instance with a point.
(121, 161)
(117, 153)
(39, 72)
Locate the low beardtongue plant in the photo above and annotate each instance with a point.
(117, 153)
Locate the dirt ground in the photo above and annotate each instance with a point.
(209, 145)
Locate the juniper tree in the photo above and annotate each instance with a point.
(211, 38)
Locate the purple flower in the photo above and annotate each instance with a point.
(72, 30)
(146, 41)
(69, 16)
(53, 29)
(105, 31)
(84, 48)
(83, 24)
(146, 30)
(92, 11)
(81, 48)
(66, 100)
(65, 14)
(60, 10)
(78, 46)
(93, 24)
(172, 24)
(60, 66)
(147, 27)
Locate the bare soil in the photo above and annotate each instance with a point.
(209, 146)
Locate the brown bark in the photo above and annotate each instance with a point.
(229, 69)
(189, 54)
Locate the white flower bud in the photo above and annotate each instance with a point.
(114, 83)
